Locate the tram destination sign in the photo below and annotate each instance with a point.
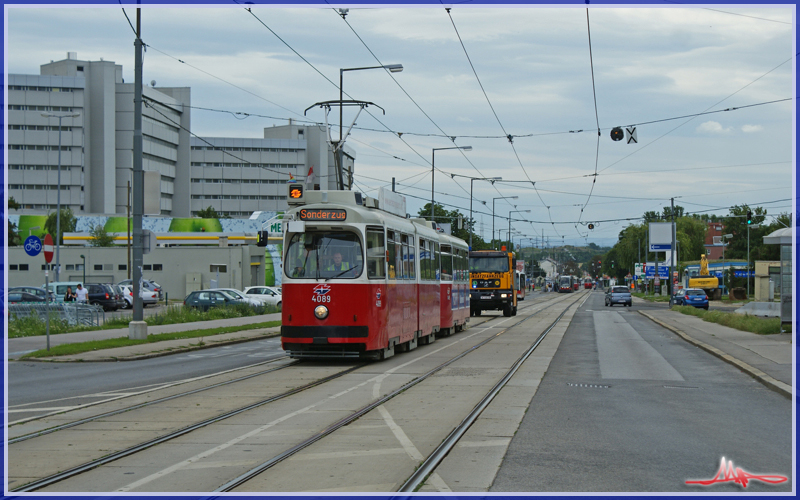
(323, 214)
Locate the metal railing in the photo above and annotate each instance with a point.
(73, 313)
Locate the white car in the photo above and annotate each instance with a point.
(239, 295)
(148, 296)
(266, 294)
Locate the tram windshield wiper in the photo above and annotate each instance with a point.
(341, 273)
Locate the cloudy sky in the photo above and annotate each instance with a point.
(708, 91)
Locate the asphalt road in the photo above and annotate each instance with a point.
(627, 406)
(38, 388)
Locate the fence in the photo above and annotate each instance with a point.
(72, 313)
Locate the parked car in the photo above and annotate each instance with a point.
(205, 299)
(148, 297)
(33, 290)
(16, 297)
(147, 284)
(239, 296)
(690, 297)
(618, 295)
(121, 304)
(102, 295)
(266, 294)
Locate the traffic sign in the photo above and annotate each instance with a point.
(33, 246)
(660, 248)
(48, 248)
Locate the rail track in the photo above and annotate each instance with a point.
(231, 485)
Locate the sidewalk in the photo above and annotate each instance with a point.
(767, 358)
(19, 346)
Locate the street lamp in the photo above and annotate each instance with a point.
(433, 158)
(509, 225)
(754, 226)
(499, 198)
(84, 269)
(30, 230)
(471, 180)
(394, 68)
(723, 255)
(60, 116)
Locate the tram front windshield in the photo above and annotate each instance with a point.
(324, 255)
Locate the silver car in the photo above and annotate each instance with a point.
(618, 295)
(266, 294)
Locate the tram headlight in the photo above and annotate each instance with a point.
(321, 312)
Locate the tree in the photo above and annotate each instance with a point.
(210, 213)
(68, 223)
(13, 235)
(100, 237)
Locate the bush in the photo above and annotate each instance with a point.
(753, 324)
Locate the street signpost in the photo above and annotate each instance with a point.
(33, 245)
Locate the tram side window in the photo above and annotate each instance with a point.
(436, 264)
(376, 254)
(424, 261)
(406, 258)
(392, 253)
(447, 265)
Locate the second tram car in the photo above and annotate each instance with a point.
(363, 282)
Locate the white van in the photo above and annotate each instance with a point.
(59, 288)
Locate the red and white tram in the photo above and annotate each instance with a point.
(360, 281)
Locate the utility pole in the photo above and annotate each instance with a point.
(671, 249)
(129, 228)
(137, 328)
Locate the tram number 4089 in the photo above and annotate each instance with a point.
(321, 298)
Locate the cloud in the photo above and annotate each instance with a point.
(713, 127)
(747, 129)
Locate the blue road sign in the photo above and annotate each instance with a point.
(660, 248)
(650, 272)
(744, 274)
(33, 245)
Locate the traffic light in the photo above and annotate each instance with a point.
(591, 226)
(617, 134)
(263, 238)
(749, 217)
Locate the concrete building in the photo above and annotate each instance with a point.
(183, 174)
(239, 176)
(97, 146)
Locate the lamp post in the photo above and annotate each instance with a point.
(60, 117)
(84, 269)
(754, 226)
(499, 198)
(30, 229)
(509, 225)
(723, 256)
(433, 159)
(394, 68)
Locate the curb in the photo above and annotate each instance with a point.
(135, 357)
(771, 383)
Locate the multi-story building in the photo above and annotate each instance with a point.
(235, 176)
(96, 146)
(238, 176)
(713, 242)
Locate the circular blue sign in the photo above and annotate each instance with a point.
(33, 246)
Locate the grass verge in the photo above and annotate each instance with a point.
(31, 326)
(651, 298)
(94, 345)
(746, 323)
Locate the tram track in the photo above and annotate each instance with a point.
(75, 471)
(233, 484)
